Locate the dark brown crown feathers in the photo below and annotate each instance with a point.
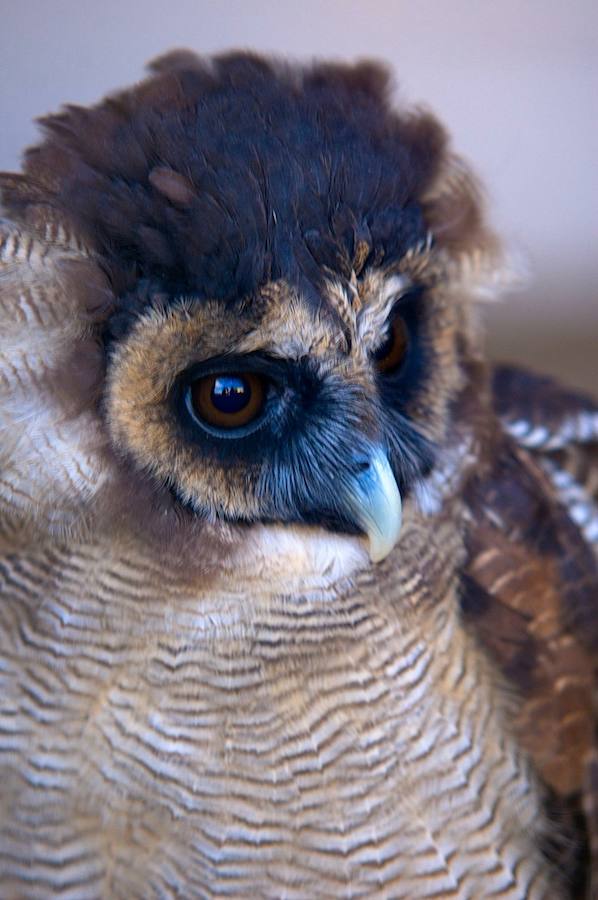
(214, 176)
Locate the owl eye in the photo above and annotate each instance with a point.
(228, 400)
(390, 354)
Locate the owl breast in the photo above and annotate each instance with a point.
(160, 736)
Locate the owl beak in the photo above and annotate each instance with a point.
(374, 501)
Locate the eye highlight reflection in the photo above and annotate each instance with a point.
(228, 399)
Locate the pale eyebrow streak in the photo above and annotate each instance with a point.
(289, 329)
(373, 316)
(364, 308)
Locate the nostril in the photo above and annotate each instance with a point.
(362, 464)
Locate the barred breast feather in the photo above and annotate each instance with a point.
(159, 737)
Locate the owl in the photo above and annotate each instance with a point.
(298, 593)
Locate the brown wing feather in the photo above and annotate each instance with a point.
(540, 413)
(560, 427)
(531, 583)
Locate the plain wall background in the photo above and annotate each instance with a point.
(515, 81)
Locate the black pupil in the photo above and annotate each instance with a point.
(231, 393)
(384, 348)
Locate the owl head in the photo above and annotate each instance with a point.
(237, 293)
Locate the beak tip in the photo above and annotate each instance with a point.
(382, 543)
(378, 507)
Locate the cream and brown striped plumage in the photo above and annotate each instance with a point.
(161, 738)
(198, 703)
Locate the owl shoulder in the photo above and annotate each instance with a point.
(530, 585)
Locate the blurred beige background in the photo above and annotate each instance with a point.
(516, 82)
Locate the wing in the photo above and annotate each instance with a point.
(560, 427)
(52, 299)
(531, 589)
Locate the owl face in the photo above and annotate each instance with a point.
(286, 332)
(272, 409)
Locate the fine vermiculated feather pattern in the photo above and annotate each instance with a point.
(172, 739)
(51, 296)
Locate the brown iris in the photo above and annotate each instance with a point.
(391, 353)
(228, 400)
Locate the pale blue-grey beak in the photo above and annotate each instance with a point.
(374, 501)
